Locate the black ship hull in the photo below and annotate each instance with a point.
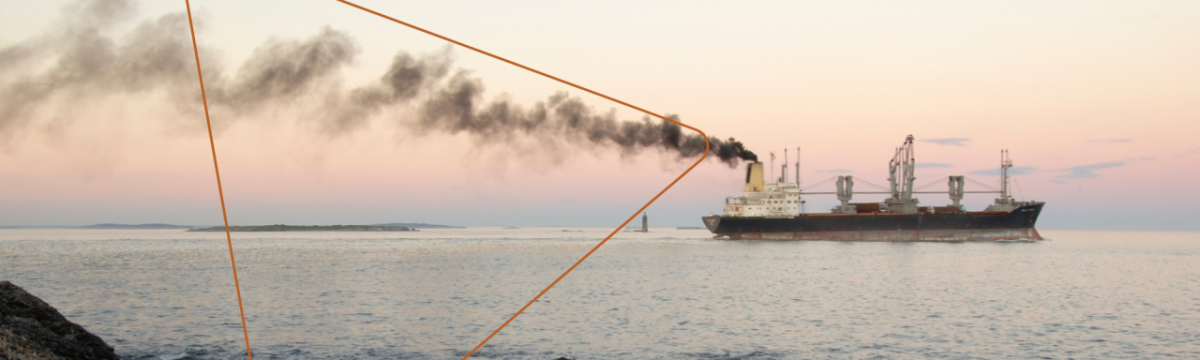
(965, 226)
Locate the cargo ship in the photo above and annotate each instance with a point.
(775, 211)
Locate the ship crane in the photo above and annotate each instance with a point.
(901, 175)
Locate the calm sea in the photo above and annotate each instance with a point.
(667, 294)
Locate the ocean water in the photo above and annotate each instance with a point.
(667, 294)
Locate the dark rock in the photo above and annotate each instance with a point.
(31, 329)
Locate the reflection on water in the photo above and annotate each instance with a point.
(664, 294)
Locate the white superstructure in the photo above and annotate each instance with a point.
(779, 199)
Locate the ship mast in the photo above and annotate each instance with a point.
(798, 184)
(772, 166)
(1005, 202)
(1005, 163)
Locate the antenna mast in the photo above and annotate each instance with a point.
(783, 177)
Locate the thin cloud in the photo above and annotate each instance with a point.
(932, 165)
(1088, 171)
(949, 141)
(1015, 170)
(1121, 140)
(1185, 153)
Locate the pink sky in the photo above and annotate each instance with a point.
(1097, 100)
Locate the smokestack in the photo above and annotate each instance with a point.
(754, 177)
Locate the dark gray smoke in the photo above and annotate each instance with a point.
(279, 71)
(405, 80)
(90, 63)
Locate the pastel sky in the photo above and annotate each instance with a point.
(1095, 100)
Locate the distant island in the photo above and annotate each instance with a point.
(278, 227)
(140, 226)
(423, 226)
(281, 227)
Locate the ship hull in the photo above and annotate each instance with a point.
(969, 226)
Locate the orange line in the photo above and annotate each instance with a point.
(220, 191)
(610, 235)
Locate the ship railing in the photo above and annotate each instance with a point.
(735, 200)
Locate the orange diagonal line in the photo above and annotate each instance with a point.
(614, 232)
(220, 191)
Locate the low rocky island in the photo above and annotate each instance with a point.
(32, 329)
(424, 226)
(281, 227)
(134, 227)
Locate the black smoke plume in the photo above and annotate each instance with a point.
(456, 107)
(91, 63)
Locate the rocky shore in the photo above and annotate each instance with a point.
(31, 329)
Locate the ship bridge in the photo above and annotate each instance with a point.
(761, 199)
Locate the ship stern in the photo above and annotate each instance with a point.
(712, 222)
